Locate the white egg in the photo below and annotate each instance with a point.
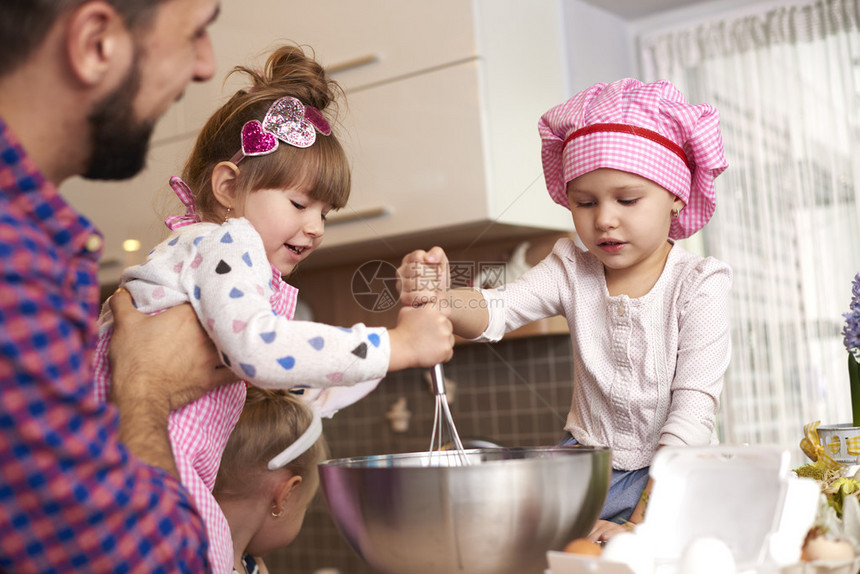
(632, 550)
(707, 556)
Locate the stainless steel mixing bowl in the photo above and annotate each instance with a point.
(416, 513)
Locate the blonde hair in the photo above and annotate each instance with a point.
(321, 170)
(270, 422)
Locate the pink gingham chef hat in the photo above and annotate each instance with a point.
(646, 129)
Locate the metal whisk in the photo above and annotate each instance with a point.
(437, 376)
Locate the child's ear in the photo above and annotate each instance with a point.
(678, 205)
(288, 486)
(224, 183)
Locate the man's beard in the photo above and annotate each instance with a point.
(120, 142)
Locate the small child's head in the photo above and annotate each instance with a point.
(273, 136)
(269, 466)
(649, 130)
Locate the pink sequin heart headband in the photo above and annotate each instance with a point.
(287, 120)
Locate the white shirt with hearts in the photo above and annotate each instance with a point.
(222, 271)
(244, 305)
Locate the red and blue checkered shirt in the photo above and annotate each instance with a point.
(72, 498)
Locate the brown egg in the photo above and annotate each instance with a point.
(821, 548)
(584, 547)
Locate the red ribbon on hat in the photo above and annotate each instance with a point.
(632, 130)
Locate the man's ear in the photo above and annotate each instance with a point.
(224, 183)
(98, 44)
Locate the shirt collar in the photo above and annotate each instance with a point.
(26, 190)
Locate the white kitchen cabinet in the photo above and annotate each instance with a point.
(368, 41)
(450, 154)
(384, 39)
(417, 152)
(423, 160)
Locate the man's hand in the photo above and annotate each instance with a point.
(159, 363)
(165, 357)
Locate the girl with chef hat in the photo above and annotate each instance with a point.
(635, 163)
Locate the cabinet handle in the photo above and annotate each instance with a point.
(354, 63)
(357, 215)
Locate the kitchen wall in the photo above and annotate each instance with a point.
(514, 393)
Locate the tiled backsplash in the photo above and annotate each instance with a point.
(513, 393)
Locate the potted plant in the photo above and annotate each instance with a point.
(834, 450)
(842, 441)
(836, 445)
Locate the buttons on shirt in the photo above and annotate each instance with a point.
(620, 310)
(94, 243)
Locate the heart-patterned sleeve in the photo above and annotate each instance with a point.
(222, 270)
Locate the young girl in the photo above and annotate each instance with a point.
(635, 163)
(268, 474)
(265, 171)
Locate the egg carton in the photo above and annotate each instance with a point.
(712, 510)
(566, 563)
(824, 567)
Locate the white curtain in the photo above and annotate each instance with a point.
(787, 84)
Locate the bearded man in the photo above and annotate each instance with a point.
(86, 487)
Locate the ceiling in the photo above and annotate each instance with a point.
(634, 9)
